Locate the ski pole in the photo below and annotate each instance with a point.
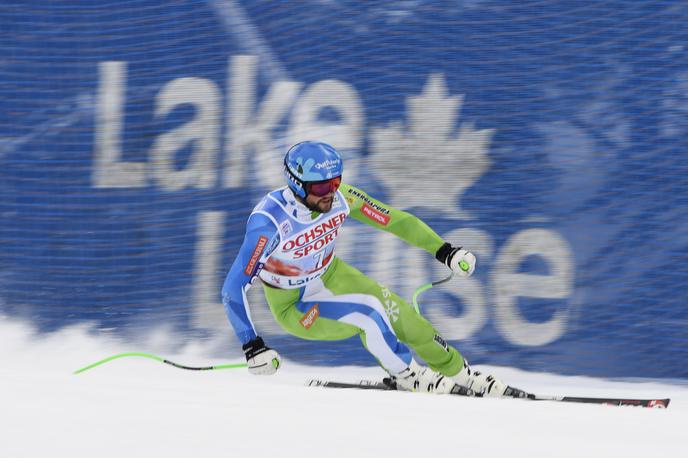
(418, 291)
(426, 287)
(162, 360)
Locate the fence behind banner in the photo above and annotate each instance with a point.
(547, 137)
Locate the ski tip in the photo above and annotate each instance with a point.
(659, 403)
(621, 402)
(648, 403)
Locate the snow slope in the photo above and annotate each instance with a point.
(135, 407)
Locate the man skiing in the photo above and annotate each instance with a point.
(289, 244)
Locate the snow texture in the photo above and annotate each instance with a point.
(136, 407)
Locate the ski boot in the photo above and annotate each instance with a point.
(485, 385)
(423, 379)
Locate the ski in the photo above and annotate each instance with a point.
(388, 385)
(623, 402)
(361, 385)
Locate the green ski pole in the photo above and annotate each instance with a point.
(237, 365)
(162, 360)
(426, 287)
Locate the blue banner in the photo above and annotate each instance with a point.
(136, 137)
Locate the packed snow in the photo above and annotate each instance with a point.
(137, 407)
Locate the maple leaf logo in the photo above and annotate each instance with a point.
(430, 164)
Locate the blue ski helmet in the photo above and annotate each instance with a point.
(311, 161)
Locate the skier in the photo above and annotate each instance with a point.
(313, 294)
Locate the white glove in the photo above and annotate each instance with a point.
(261, 360)
(460, 261)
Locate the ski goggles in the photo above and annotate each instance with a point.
(323, 188)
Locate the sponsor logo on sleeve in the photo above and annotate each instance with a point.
(286, 228)
(368, 200)
(273, 243)
(257, 252)
(374, 214)
(311, 315)
(441, 342)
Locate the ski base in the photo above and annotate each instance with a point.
(388, 385)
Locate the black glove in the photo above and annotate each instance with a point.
(444, 252)
(262, 360)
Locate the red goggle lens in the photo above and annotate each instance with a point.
(322, 188)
